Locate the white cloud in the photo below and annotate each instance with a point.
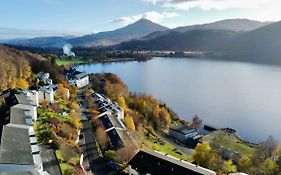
(151, 15)
(210, 4)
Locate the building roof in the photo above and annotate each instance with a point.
(22, 99)
(80, 75)
(109, 121)
(183, 129)
(15, 145)
(115, 137)
(74, 74)
(155, 163)
(18, 116)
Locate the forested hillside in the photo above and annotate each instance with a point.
(16, 68)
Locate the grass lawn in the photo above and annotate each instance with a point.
(64, 167)
(229, 142)
(69, 62)
(166, 148)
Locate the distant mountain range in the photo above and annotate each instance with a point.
(136, 30)
(235, 25)
(142, 29)
(263, 44)
(205, 37)
(233, 39)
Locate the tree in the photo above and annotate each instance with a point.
(216, 162)
(122, 103)
(267, 149)
(129, 122)
(196, 123)
(244, 164)
(229, 167)
(201, 154)
(75, 118)
(164, 114)
(156, 112)
(62, 92)
(268, 167)
(21, 83)
(102, 137)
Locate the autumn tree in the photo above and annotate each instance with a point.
(75, 118)
(164, 114)
(62, 92)
(229, 167)
(129, 122)
(156, 112)
(216, 162)
(244, 163)
(102, 137)
(122, 103)
(201, 154)
(268, 167)
(21, 83)
(196, 123)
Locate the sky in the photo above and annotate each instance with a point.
(29, 18)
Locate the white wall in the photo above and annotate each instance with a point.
(82, 82)
(32, 110)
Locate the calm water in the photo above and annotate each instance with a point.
(243, 96)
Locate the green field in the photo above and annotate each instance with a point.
(229, 142)
(61, 62)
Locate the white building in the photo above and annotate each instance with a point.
(46, 93)
(24, 103)
(45, 78)
(77, 78)
(32, 95)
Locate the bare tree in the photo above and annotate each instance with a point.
(196, 123)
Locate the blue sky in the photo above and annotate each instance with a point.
(59, 17)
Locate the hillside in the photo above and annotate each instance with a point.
(261, 45)
(39, 42)
(133, 31)
(200, 40)
(17, 67)
(235, 25)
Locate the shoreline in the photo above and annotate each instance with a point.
(218, 128)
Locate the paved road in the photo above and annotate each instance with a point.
(50, 163)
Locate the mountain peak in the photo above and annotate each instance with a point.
(144, 21)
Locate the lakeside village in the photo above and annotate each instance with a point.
(54, 129)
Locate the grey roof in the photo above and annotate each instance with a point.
(15, 145)
(116, 137)
(22, 99)
(183, 129)
(81, 75)
(17, 116)
(110, 121)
